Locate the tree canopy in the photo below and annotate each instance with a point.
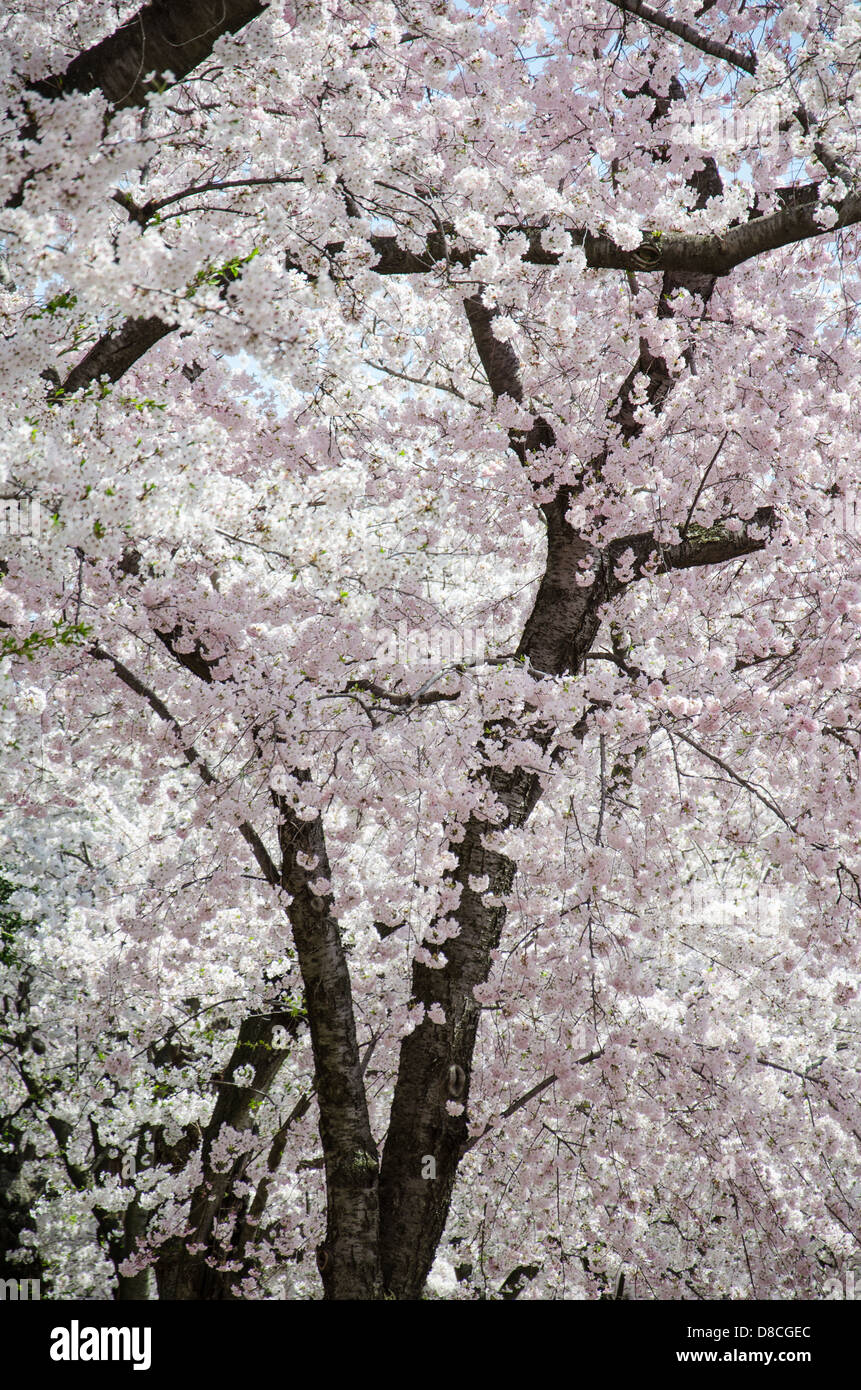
(430, 658)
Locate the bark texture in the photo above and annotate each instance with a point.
(165, 36)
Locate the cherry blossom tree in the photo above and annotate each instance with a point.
(430, 663)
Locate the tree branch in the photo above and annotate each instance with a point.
(734, 776)
(435, 1059)
(349, 1259)
(114, 353)
(164, 36)
(712, 545)
(142, 213)
(190, 753)
(681, 252)
(677, 253)
(523, 1100)
(183, 1269)
(181, 1273)
(498, 359)
(713, 47)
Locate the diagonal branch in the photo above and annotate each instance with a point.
(183, 1270)
(746, 62)
(682, 30)
(142, 213)
(190, 753)
(164, 36)
(538, 1089)
(734, 776)
(114, 353)
(349, 1260)
(498, 359)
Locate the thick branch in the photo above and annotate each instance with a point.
(185, 1275)
(679, 253)
(713, 47)
(498, 359)
(164, 36)
(413, 1206)
(712, 545)
(114, 353)
(691, 252)
(349, 1259)
(193, 660)
(436, 1059)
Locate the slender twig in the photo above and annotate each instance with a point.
(190, 753)
(711, 464)
(142, 213)
(518, 1104)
